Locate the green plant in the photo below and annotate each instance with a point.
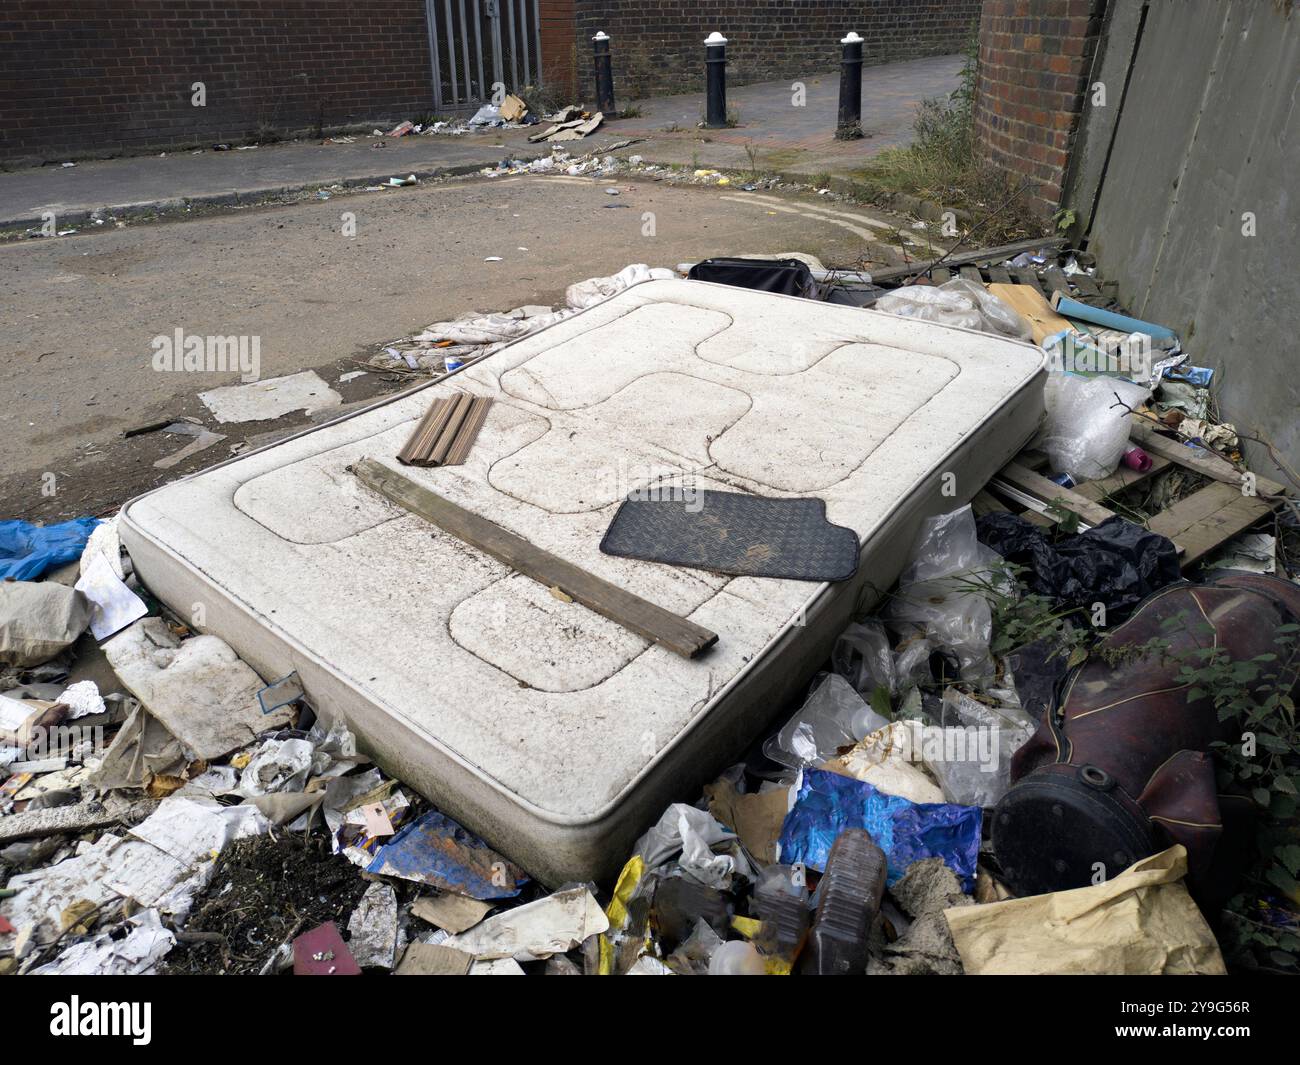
(1064, 219)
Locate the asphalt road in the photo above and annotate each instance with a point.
(78, 313)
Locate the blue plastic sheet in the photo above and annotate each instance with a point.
(433, 849)
(906, 831)
(27, 551)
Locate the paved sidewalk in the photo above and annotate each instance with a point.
(783, 138)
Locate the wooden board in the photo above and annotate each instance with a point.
(1030, 304)
(1144, 433)
(997, 254)
(1050, 492)
(619, 605)
(1205, 519)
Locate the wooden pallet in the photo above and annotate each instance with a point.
(1197, 524)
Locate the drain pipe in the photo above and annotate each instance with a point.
(604, 75)
(849, 126)
(715, 66)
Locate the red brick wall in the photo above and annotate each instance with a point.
(1034, 60)
(559, 48)
(99, 74)
(658, 45)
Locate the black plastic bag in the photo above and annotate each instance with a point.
(789, 277)
(1116, 563)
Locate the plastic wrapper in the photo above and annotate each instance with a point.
(957, 302)
(827, 804)
(863, 657)
(942, 594)
(833, 717)
(1087, 424)
(27, 551)
(1117, 563)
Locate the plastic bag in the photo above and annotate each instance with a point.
(957, 302)
(39, 620)
(1117, 563)
(942, 593)
(1087, 424)
(906, 831)
(862, 656)
(27, 551)
(834, 716)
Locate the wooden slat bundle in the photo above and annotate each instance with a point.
(446, 432)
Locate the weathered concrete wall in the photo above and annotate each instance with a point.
(1196, 212)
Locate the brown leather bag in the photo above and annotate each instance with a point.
(1121, 767)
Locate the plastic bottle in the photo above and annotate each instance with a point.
(850, 893)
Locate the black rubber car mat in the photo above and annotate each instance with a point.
(734, 533)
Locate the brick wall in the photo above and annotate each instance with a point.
(1034, 60)
(658, 44)
(103, 74)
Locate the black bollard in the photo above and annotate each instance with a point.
(715, 60)
(849, 126)
(604, 75)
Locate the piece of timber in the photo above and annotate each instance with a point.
(979, 255)
(619, 605)
(1033, 307)
(1143, 432)
(1205, 519)
(1050, 492)
(447, 431)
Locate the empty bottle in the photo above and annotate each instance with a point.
(850, 893)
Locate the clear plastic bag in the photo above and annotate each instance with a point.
(942, 594)
(1087, 426)
(957, 302)
(834, 716)
(863, 657)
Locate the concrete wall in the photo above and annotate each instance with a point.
(1033, 69)
(1185, 187)
(658, 44)
(103, 74)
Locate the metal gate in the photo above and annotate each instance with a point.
(475, 44)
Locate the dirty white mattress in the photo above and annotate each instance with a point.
(552, 732)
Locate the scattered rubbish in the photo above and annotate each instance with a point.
(39, 620)
(957, 303)
(373, 935)
(274, 398)
(322, 952)
(198, 688)
(447, 431)
(28, 551)
(1083, 312)
(827, 803)
(925, 893)
(434, 959)
(1087, 427)
(113, 605)
(282, 692)
(832, 718)
(435, 850)
(1117, 563)
(570, 129)
(451, 913)
(1141, 922)
(942, 595)
(850, 894)
(734, 533)
(203, 439)
(109, 954)
(400, 182)
(536, 930)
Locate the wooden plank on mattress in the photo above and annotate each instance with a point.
(619, 605)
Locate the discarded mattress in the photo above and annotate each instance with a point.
(552, 732)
